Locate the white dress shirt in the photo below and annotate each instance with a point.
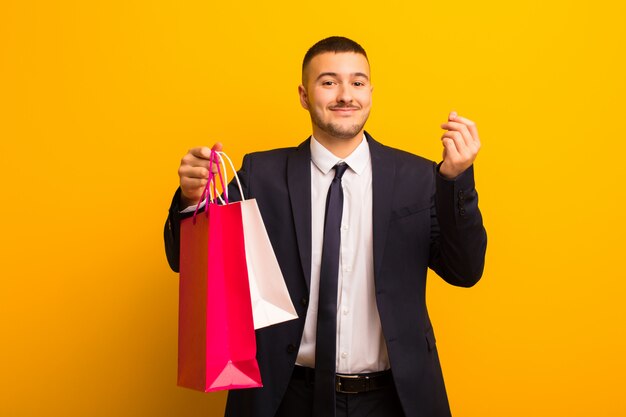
(361, 347)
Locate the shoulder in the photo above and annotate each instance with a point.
(269, 159)
(277, 154)
(402, 159)
(403, 156)
(272, 154)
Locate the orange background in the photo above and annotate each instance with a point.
(100, 100)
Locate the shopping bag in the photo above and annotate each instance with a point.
(270, 299)
(216, 339)
(231, 284)
(271, 303)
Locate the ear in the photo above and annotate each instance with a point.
(304, 97)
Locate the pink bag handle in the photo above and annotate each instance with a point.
(211, 181)
(216, 157)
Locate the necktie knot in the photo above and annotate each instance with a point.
(340, 169)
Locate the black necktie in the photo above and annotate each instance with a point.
(325, 341)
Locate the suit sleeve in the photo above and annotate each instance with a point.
(171, 232)
(458, 238)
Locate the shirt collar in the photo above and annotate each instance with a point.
(325, 160)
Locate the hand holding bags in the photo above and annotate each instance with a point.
(227, 269)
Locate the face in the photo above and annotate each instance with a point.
(337, 93)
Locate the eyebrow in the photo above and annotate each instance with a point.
(334, 74)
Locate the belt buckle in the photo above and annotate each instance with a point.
(339, 386)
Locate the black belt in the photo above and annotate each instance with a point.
(349, 384)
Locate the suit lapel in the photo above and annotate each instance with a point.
(299, 184)
(383, 181)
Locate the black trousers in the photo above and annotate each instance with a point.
(298, 402)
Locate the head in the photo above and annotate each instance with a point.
(336, 88)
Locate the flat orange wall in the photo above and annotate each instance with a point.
(100, 100)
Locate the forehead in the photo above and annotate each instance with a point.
(340, 63)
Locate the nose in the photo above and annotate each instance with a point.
(344, 95)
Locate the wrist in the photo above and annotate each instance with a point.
(187, 201)
(447, 173)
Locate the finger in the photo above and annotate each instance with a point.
(467, 152)
(204, 152)
(450, 149)
(214, 165)
(190, 160)
(192, 184)
(193, 172)
(459, 127)
(201, 152)
(471, 126)
(457, 139)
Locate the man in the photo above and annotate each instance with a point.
(354, 225)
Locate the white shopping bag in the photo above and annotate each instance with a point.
(271, 303)
(270, 299)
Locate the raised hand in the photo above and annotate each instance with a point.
(460, 145)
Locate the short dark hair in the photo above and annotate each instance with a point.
(333, 44)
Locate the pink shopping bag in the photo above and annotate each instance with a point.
(216, 340)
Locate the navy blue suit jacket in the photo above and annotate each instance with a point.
(420, 220)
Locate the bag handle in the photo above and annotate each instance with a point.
(210, 193)
(223, 155)
(214, 195)
(208, 196)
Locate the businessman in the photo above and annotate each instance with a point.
(355, 225)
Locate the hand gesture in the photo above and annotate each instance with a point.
(460, 145)
(194, 173)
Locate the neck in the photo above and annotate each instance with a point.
(340, 147)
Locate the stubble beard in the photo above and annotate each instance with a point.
(336, 130)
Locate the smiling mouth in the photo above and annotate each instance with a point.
(344, 109)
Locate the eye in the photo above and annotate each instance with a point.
(328, 82)
(359, 83)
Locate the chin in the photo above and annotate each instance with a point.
(344, 133)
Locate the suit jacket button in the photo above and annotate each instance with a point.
(462, 212)
(291, 348)
(461, 195)
(304, 301)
